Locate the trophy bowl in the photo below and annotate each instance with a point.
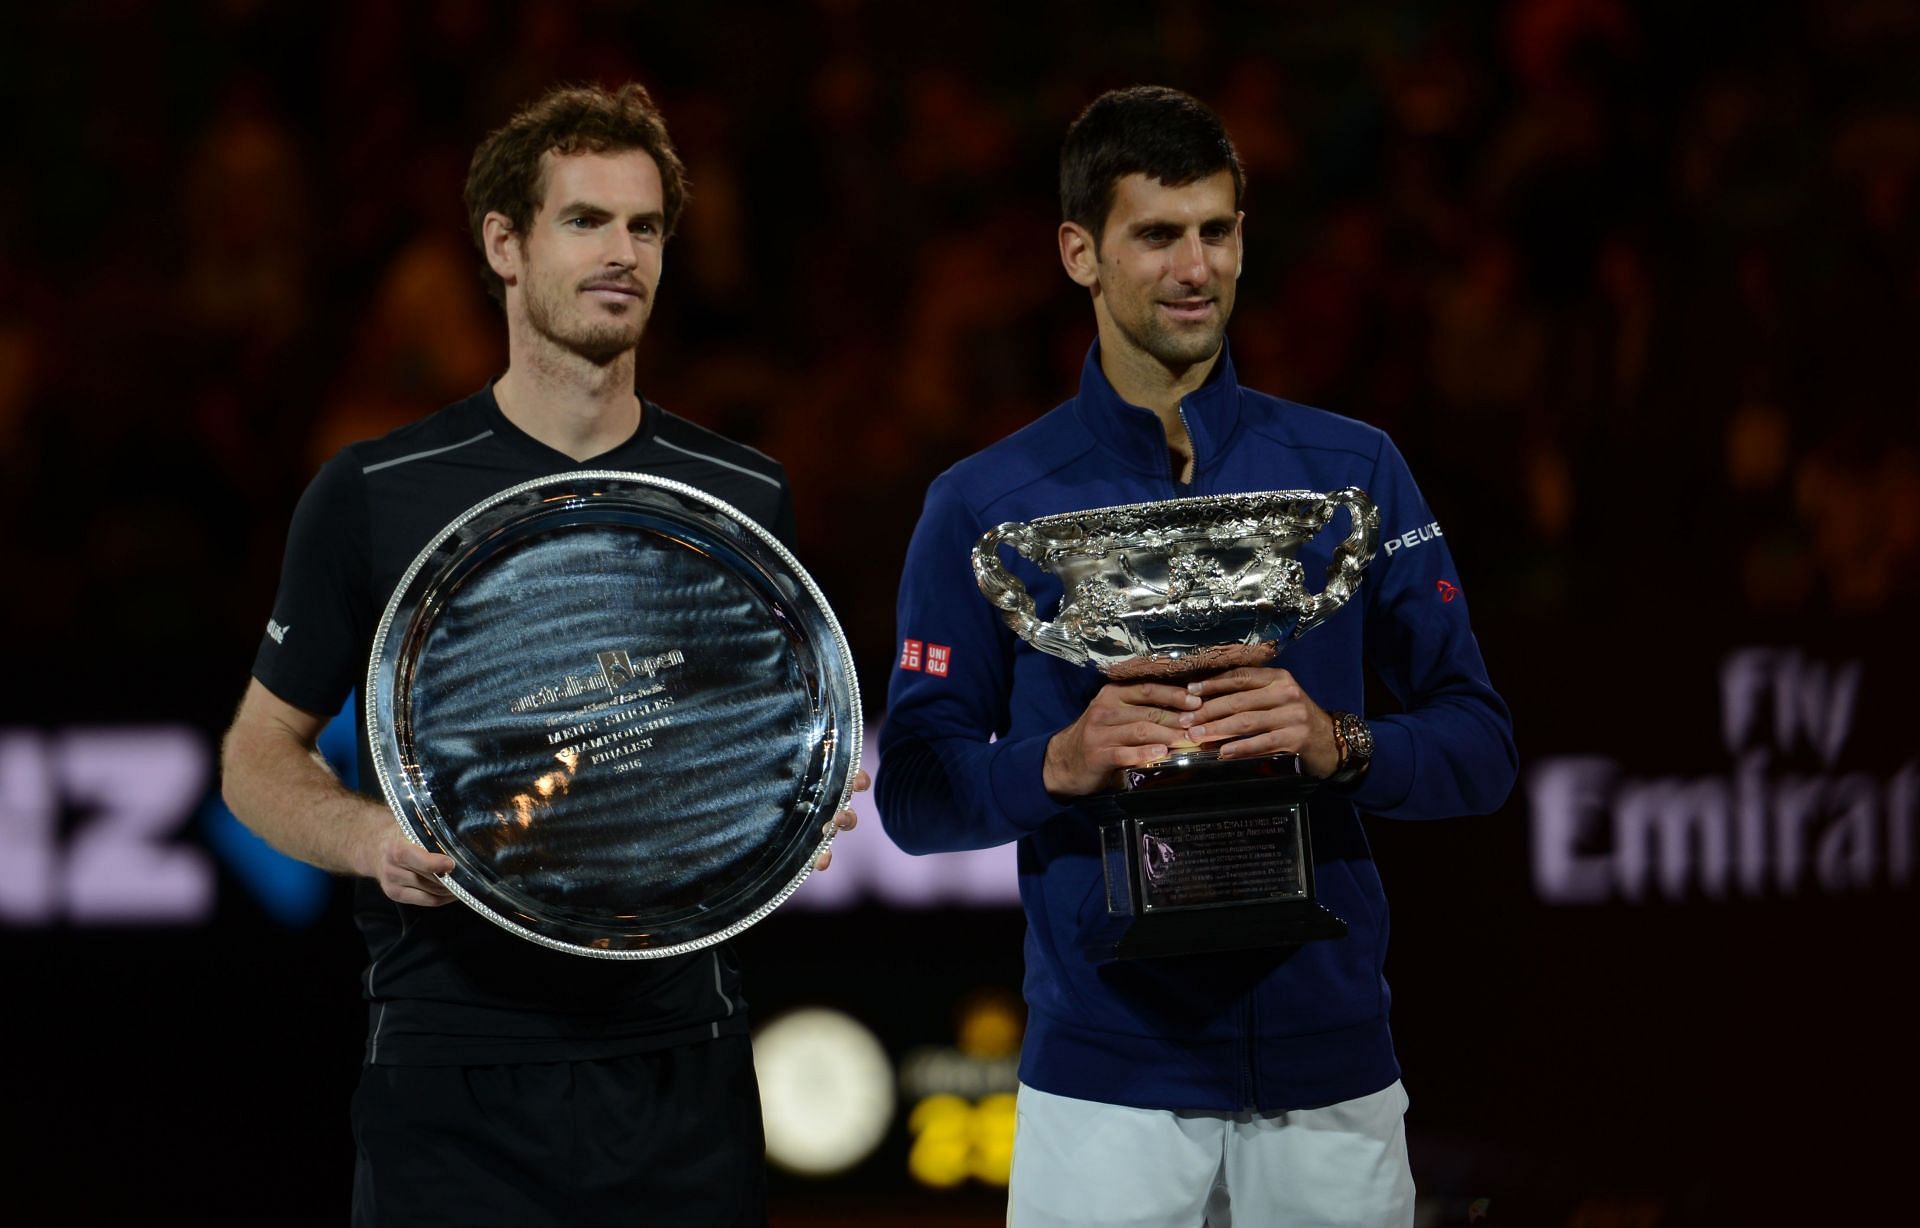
(1173, 590)
(1198, 854)
(622, 708)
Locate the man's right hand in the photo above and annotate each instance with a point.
(277, 784)
(407, 873)
(1124, 726)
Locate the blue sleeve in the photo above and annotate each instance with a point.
(1450, 752)
(944, 783)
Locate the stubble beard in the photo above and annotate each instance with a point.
(1172, 346)
(599, 342)
(1182, 348)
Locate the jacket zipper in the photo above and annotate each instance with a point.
(1193, 487)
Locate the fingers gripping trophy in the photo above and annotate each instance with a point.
(1200, 854)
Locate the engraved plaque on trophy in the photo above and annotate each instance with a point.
(1199, 854)
(622, 708)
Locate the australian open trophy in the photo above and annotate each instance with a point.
(1200, 854)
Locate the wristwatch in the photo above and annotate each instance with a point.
(1355, 741)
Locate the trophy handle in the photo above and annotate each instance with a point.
(1011, 597)
(1350, 558)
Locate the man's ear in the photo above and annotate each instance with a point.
(502, 247)
(1078, 256)
(1240, 243)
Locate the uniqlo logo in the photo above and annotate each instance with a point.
(910, 655)
(938, 656)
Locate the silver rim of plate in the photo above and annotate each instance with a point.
(742, 650)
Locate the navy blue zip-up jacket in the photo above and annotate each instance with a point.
(971, 708)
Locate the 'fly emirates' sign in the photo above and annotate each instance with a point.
(1787, 813)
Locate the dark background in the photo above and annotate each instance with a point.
(1634, 287)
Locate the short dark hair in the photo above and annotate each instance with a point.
(507, 175)
(1148, 130)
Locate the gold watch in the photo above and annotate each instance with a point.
(1355, 741)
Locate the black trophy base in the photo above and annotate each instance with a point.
(1203, 856)
(1251, 928)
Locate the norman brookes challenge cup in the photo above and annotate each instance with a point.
(1199, 854)
(621, 707)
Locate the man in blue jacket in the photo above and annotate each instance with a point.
(1253, 1087)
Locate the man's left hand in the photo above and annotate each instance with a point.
(844, 821)
(1256, 711)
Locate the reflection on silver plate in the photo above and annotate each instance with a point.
(621, 707)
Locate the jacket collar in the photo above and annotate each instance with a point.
(1134, 435)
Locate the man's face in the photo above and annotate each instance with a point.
(1169, 259)
(590, 261)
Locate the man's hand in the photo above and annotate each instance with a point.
(1258, 711)
(1124, 726)
(846, 820)
(407, 873)
(278, 785)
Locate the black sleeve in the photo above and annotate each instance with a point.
(311, 654)
(783, 525)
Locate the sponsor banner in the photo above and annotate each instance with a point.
(1762, 770)
(1767, 792)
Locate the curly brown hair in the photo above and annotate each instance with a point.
(508, 174)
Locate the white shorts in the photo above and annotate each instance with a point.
(1083, 1164)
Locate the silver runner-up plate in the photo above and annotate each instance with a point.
(621, 707)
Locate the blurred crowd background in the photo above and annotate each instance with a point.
(1635, 286)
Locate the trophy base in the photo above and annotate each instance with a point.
(1202, 855)
(1250, 927)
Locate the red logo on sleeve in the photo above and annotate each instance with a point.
(939, 656)
(1447, 591)
(910, 655)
